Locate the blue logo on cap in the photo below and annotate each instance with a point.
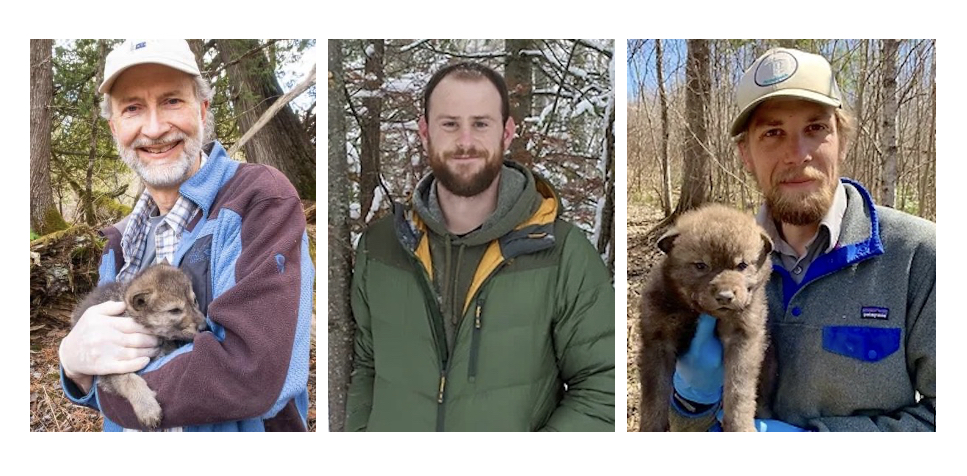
(140, 45)
(775, 69)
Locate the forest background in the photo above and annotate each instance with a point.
(265, 112)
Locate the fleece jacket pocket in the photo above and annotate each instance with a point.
(869, 344)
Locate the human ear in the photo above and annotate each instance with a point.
(510, 128)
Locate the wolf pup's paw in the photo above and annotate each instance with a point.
(148, 412)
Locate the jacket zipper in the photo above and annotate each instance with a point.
(436, 326)
(439, 333)
(475, 342)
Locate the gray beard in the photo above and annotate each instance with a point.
(163, 176)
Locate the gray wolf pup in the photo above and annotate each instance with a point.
(159, 298)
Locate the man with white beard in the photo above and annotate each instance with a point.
(236, 229)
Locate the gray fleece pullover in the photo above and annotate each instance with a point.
(856, 340)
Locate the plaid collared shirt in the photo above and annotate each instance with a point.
(166, 237)
(167, 233)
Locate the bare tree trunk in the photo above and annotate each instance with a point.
(888, 133)
(341, 326)
(852, 167)
(518, 71)
(696, 171)
(606, 237)
(369, 151)
(90, 217)
(666, 174)
(282, 143)
(928, 199)
(41, 97)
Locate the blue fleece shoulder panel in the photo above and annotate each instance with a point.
(298, 374)
(202, 187)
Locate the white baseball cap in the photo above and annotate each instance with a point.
(784, 72)
(171, 53)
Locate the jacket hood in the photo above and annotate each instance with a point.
(523, 223)
(522, 198)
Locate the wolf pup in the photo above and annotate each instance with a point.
(716, 262)
(159, 298)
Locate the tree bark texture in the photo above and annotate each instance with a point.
(519, 72)
(696, 169)
(41, 96)
(90, 217)
(666, 174)
(282, 143)
(341, 325)
(369, 152)
(888, 123)
(606, 238)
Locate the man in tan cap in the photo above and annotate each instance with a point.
(236, 229)
(852, 300)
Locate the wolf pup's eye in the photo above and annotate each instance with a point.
(741, 266)
(176, 310)
(701, 266)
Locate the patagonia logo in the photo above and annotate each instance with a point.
(875, 313)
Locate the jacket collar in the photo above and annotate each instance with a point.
(202, 187)
(859, 240)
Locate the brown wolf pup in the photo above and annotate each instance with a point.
(159, 298)
(716, 262)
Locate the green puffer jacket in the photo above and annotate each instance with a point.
(533, 350)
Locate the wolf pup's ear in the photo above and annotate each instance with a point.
(767, 244)
(767, 247)
(140, 300)
(667, 240)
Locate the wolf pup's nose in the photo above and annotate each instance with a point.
(725, 296)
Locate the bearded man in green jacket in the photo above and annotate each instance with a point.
(477, 308)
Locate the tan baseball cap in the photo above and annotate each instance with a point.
(171, 53)
(784, 72)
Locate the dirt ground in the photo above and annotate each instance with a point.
(642, 255)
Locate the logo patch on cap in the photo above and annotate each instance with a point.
(138, 46)
(875, 313)
(775, 69)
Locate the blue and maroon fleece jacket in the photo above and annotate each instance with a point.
(247, 254)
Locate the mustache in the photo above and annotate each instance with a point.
(168, 138)
(807, 173)
(471, 151)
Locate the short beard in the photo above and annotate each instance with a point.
(801, 210)
(168, 175)
(469, 186)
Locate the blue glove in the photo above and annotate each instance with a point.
(762, 426)
(699, 373)
(775, 426)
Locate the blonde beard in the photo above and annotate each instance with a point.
(801, 210)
